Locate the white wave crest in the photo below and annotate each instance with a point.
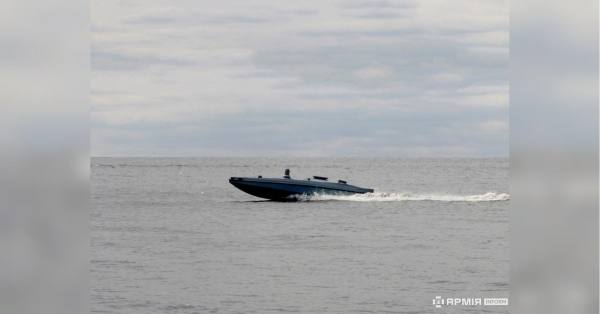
(407, 196)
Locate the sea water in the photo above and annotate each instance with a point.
(171, 235)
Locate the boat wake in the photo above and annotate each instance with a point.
(406, 196)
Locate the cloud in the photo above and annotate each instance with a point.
(99, 27)
(361, 4)
(410, 62)
(381, 15)
(167, 15)
(156, 15)
(241, 19)
(106, 61)
(494, 125)
(354, 132)
(298, 11)
(379, 10)
(373, 73)
(354, 78)
(447, 77)
(354, 33)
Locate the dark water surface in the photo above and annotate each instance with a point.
(171, 235)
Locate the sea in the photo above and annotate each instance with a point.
(171, 235)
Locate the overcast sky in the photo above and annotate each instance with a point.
(299, 78)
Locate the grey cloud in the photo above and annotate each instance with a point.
(104, 28)
(338, 87)
(305, 12)
(18, 50)
(107, 61)
(255, 15)
(454, 30)
(176, 15)
(156, 16)
(403, 32)
(390, 32)
(382, 15)
(379, 10)
(106, 92)
(411, 62)
(240, 19)
(152, 20)
(251, 17)
(361, 4)
(299, 12)
(365, 133)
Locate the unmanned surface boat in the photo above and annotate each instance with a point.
(288, 189)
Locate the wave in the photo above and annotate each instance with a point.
(407, 196)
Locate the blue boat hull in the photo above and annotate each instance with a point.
(286, 189)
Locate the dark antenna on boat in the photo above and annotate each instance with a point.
(287, 174)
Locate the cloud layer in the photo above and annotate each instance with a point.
(351, 78)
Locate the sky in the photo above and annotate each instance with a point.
(348, 78)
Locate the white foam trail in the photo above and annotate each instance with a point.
(407, 196)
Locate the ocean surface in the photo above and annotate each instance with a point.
(171, 235)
